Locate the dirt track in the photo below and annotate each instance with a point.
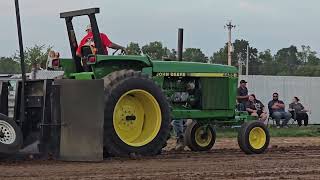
(287, 158)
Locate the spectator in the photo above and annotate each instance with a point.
(53, 57)
(179, 127)
(256, 108)
(242, 95)
(298, 111)
(277, 111)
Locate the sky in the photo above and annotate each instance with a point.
(266, 24)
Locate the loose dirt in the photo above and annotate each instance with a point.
(287, 158)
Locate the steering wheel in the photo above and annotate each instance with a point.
(123, 52)
(115, 52)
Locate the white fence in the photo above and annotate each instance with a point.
(306, 88)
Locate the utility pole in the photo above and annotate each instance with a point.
(229, 27)
(240, 63)
(247, 61)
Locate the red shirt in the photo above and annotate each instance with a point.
(89, 37)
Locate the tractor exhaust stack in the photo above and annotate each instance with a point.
(180, 43)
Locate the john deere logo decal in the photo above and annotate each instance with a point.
(179, 74)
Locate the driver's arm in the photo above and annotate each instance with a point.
(116, 46)
(106, 42)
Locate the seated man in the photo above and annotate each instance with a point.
(277, 111)
(256, 108)
(88, 41)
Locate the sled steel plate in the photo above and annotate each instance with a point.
(82, 115)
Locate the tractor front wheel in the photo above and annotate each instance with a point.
(137, 115)
(200, 137)
(253, 137)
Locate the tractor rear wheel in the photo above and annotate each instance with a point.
(10, 136)
(199, 137)
(253, 137)
(136, 115)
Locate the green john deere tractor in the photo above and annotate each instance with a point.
(139, 99)
(142, 96)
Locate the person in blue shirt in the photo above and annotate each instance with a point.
(277, 111)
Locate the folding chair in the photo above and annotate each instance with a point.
(274, 120)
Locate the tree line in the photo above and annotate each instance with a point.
(287, 61)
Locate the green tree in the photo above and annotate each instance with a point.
(313, 60)
(268, 66)
(38, 54)
(220, 57)
(307, 56)
(308, 70)
(287, 60)
(195, 55)
(303, 55)
(155, 50)
(133, 49)
(9, 66)
(173, 54)
(239, 53)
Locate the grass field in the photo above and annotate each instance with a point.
(292, 131)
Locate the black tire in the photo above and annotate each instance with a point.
(115, 85)
(190, 137)
(8, 143)
(243, 137)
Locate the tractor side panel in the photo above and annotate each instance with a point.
(216, 94)
(233, 82)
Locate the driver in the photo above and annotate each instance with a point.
(88, 41)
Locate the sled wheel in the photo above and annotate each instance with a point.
(10, 136)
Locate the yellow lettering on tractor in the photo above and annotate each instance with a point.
(181, 74)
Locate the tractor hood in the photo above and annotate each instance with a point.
(144, 59)
(192, 67)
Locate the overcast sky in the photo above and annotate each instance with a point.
(266, 24)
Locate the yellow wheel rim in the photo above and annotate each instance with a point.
(257, 138)
(137, 117)
(202, 139)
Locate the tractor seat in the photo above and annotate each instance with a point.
(86, 51)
